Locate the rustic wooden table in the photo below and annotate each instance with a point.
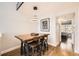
(25, 38)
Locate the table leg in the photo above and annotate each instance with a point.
(22, 48)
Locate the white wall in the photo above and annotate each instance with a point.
(12, 23)
(77, 31)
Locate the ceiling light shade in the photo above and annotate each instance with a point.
(34, 18)
(35, 13)
(35, 8)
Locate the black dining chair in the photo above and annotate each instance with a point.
(44, 44)
(33, 48)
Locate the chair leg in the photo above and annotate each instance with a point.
(47, 47)
(43, 49)
(33, 51)
(26, 49)
(39, 51)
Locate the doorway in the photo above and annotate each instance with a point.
(65, 31)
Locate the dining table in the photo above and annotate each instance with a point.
(25, 38)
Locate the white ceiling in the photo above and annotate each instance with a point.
(47, 8)
(50, 5)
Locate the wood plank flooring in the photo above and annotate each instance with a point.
(52, 51)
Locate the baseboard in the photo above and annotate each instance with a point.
(52, 44)
(76, 51)
(10, 49)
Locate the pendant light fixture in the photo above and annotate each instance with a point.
(35, 8)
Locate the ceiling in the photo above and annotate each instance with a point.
(46, 8)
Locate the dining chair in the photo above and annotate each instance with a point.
(33, 48)
(44, 44)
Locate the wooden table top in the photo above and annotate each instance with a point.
(28, 37)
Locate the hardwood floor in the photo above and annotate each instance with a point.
(58, 52)
(52, 51)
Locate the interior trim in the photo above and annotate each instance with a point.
(10, 49)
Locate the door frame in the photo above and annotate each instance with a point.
(73, 23)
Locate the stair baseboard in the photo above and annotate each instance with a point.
(10, 49)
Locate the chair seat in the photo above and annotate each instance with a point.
(33, 47)
(33, 44)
